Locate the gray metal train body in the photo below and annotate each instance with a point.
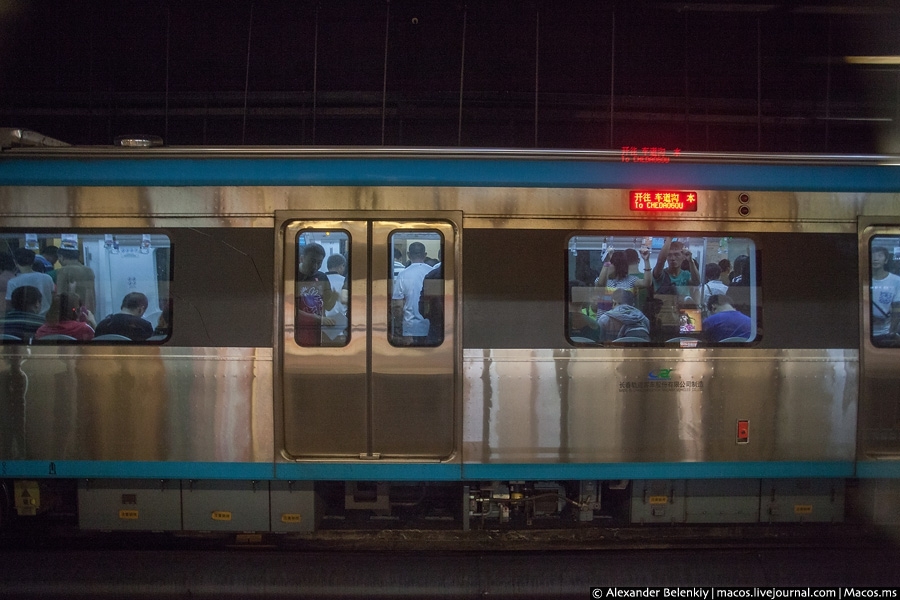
(229, 418)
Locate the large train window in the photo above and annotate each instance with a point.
(884, 259)
(323, 288)
(66, 287)
(416, 315)
(680, 291)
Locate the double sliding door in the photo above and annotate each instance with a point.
(369, 349)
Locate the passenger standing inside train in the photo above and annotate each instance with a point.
(431, 303)
(337, 269)
(739, 290)
(129, 322)
(725, 274)
(615, 273)
(314, 296)
(398, 261)
(724, 320)
(671, 277)
(68, 317)
(885, 298)
(7, 272)
(713, 284)
(45, 262)
(740, 276)
(24, 260)
(24, 316)
(407, 289)
(74, 277)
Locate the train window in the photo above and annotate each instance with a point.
(69, 287)
(680, 291)
(884, 260)
(417, 289)
(323, 288)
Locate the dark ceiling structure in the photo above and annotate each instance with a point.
(781, 76)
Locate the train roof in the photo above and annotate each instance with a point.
(61, 165)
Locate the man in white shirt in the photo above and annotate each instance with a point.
(407, 289)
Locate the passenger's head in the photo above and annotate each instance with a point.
(7, 262)
(135, 303)
(725, 266)
(631, 257)
(67, 256)
(311, 257)
(26, 298)
(712, 271)
(51, 253)
(23, 257)
(336, 263)
(718, 302)
(622, 296)
(742, 268)
(416, 252)
(64, 307)
(676, 254)
(620, 264)
(881, 258)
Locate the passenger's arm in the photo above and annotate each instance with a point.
(647, 281)
(604, 274)
(661, 259)
(695, 274)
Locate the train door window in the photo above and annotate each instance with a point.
(682, 291)
(416, 289)
(322, 288)
(69, 287)
(884, 260)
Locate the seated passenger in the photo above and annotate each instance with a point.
(129, 321)
(68, 317)
(724, 320)
(24, 316)
(623, 320)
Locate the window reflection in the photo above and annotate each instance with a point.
(322, 288)
(417, 289)
(685, 291)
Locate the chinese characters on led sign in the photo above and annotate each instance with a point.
(648, 154)
(659, 201)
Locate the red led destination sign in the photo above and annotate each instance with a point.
(663, 201)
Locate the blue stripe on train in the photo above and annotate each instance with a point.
(443, 172)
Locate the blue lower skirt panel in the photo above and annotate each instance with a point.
(681, 470)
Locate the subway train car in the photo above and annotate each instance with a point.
(343, 338)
